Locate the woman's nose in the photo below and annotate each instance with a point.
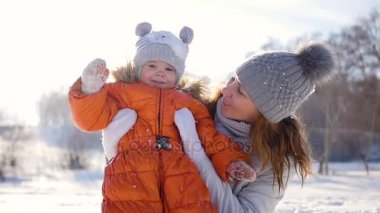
(226, 90)
(229, 89)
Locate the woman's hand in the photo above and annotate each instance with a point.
(185, 122)
(94, 76)
(120, 125)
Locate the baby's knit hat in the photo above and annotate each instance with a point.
(278, 82)
(163, 46)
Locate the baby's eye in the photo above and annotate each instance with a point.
(152, 65)
(170, 69)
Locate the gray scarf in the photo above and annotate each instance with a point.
(236, 131)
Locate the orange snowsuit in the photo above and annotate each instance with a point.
(142, 177)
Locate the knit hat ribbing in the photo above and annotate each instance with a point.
(163, 46)
(279, 82)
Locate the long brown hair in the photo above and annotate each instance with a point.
(282, 145)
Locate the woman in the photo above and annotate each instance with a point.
(256, 109)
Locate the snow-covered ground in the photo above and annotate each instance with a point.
(347, 189)
(79, 192)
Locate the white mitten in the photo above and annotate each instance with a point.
(120, 125)
(94, 76)
(185, 123)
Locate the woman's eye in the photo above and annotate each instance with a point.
(242, 91)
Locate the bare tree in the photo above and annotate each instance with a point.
(359, 51)
(11, 135)
(2, 163)
(351, 101)
(56, 127)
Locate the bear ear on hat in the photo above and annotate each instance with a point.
(186, 35)
(143, 28)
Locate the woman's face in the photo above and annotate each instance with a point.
(236, 103)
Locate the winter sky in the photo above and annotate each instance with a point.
(45, 44)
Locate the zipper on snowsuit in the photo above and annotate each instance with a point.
(162, 143)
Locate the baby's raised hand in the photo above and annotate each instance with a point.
(239, 170)
(94, 76)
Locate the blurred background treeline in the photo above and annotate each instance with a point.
(343, 117)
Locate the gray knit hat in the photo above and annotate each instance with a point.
(278, 82)
(163, 46)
